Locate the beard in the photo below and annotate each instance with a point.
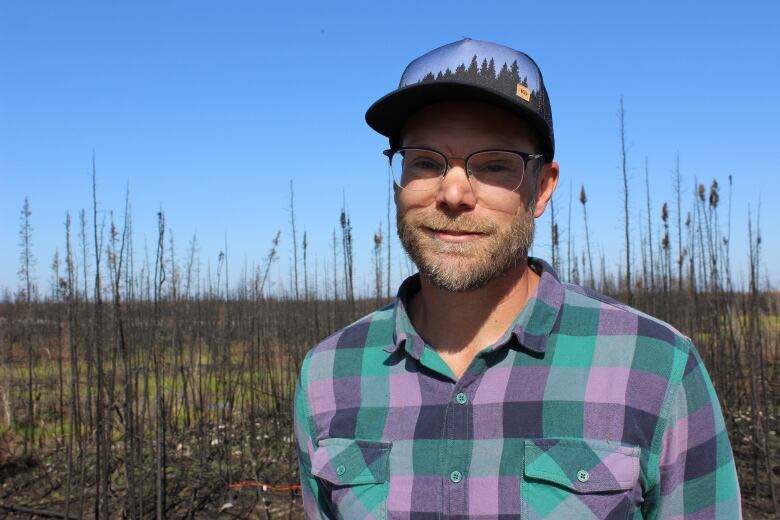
(470, 265)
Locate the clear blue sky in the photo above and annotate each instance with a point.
(208, 109)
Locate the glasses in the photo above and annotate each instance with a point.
(422, 169)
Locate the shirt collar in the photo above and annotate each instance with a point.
(531, 327)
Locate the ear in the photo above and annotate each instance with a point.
(546, 182)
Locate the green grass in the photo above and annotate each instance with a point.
(47, 422)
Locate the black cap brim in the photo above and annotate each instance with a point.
(389, 114)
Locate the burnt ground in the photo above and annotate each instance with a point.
(198, 483)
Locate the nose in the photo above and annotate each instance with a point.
(456, 191)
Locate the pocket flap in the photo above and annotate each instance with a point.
(583, 466)
(346, 462)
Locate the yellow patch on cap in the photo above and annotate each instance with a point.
(523, 92)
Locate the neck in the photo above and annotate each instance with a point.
(460, 324)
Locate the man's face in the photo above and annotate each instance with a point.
(462, 237)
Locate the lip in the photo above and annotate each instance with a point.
(455, 237)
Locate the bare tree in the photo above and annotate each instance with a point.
(75, 429)
(305, 266)
(624, 169)
(193, 248)
(227, 270)
(27, 261)
(102, 434)
(727, 241)
(26, 258)
(294, 240)
(84, 243)
(677, 184)
(665, 249)
(584, 201)
(269, 260)
(390, 186)
(157, 349)
(378, 263)
(334, 247)
(57, 290)
(650, 229)
(346, 244)
(173, 269)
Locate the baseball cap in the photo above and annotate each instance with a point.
(474, 70)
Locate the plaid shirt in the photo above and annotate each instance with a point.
(585, 408)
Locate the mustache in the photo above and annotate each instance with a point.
(460, 224)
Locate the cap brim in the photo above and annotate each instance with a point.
(388, 114)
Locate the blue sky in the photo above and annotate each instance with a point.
(208, 109)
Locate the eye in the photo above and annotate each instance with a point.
(494, 167)
(425, 164)
(421, 161)
(496, 163)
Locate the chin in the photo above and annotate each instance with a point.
(456, 282)
(458, 275)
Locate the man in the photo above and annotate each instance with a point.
(490, 389)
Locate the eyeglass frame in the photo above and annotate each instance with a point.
(526, 156)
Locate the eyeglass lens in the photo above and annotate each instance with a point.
(422, 170)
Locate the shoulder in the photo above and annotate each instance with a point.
(613, 317)
(584, 317)
(334, 373)
(349, 344)
(614, 336)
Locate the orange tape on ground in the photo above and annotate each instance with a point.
(264, 487)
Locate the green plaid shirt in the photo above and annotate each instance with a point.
(585, 408)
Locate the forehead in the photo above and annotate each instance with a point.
(466, 125)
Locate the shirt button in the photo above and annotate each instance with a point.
(341, 469)
(583, 475)
(456, 476)
(461, 398)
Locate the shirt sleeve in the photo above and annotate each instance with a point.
(315, 502)
(697, 476)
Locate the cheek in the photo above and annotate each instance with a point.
(510, 204)
(406, 200)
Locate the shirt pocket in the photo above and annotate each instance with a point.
(577, 478)
(355, 473)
